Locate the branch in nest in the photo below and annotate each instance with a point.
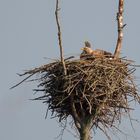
(22, 81)
(75, 116)
(59, 36)
(120, 28)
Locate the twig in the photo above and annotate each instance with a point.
(22, 81)
(59, 36)
(120, 28)
(62, 130)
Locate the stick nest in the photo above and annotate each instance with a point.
(97, 88)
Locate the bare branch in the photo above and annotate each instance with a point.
(120, 28)
(74, 114)
(59, 36)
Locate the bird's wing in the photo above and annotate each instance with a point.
(87, 44)
(103, 52)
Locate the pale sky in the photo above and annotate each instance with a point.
(28, 33)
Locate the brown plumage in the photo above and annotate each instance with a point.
(87, 51)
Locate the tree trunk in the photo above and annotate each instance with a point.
(85, 133)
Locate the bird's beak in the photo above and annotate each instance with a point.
(82, 48)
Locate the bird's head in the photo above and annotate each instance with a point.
(87, 50)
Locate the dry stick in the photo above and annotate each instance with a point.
(120, 28)
(59, 37)
(22, 81)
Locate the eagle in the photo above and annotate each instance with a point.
(88, 52)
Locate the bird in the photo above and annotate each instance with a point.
(84, 53)
(87, 51)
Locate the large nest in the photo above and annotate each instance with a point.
(98, 87)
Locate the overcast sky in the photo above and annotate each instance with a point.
(28, 33)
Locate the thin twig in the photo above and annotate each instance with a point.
(22, 81)
(59, 36)
(120, 28)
